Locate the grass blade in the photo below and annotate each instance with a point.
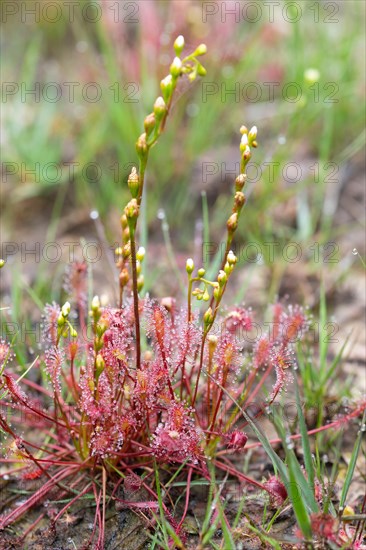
(352, 464)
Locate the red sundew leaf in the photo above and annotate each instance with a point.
(239, 319)
(31, 474)
(54, 360)
(132, 483)
(158, 327)
(226, 357)
(187, 338)
(49, 323)
(148, 505)
(5, 352)
(262, 352)
(236, 440)
(282, 361)
(324, 525)
(76, 283)
(276, 489)
(178, 438)
(16, 392)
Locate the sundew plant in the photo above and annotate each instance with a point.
(147, 391)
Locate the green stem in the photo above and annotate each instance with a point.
(135, 299)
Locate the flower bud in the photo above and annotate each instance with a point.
(200, 50)
(132, 210)
(140, 254)
(73, 332)
(246, 153)
(126, 250)
(140, 283)
(212, 342)
(159, 108)
(231, 258)
(179, 44)
(201, 71)
(244, 142)
(228, 268)
(189, 266)
(205, 296)
(95, 305)
(311, 76)
(124, 277)
(60, 320)
(239, 200)
(166, 86)
(208, 318)
(216, 293)
(2, 263)
(133, 183)
(252, 133)
(243, 130)
(126, 235)
(176, 67)
(201, 272)
(232, 223)
(100, 365)
(65, 310)
(222, 278)
(141, 145)
(124, 223)
(240, 182)
(149, 123)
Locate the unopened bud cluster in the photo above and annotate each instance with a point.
(154, 124)
(248, 140)
(64, 327)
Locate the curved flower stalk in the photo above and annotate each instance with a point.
(154, 125)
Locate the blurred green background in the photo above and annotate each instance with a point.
(294, 69)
